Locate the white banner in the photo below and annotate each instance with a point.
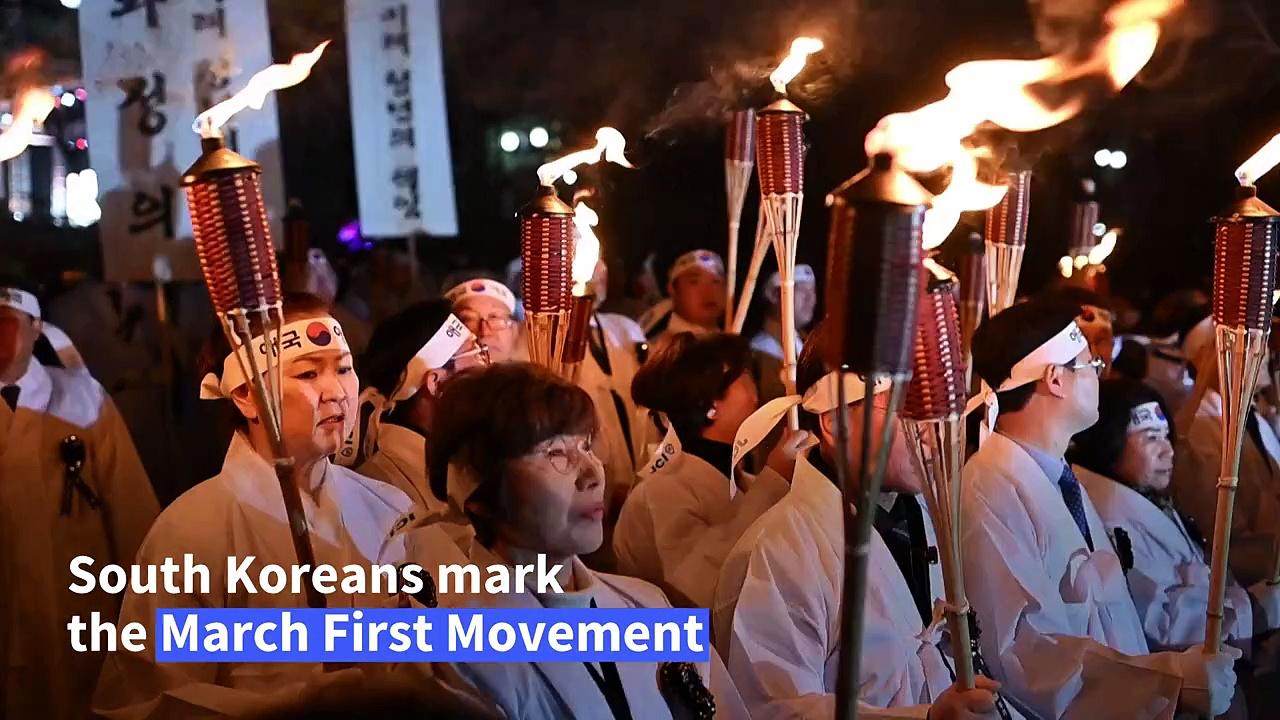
(404, 175)
(150, 67)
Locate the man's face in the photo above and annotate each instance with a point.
(900, 473)
(1081, 386)
(806, 302)
(491, 322)
(698, 296)
(18, 334)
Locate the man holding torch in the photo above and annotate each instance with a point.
(1059, 626)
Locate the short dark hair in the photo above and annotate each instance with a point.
(812, 367)
(294, 305)
(396, 340)
(488, 417)
(1076, 295)
(1100, 447)
(1004, 339)
(687, 374)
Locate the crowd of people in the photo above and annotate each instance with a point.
(657, 475)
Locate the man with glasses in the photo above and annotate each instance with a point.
(1059, 627)
(487, 308)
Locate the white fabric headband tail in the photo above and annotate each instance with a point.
(1147, 416)
(821, 398)
(704, 259)
(297, 338)
(804, 274)
(482, 287)
(20, 300)
(434, 354)
(1057, 350)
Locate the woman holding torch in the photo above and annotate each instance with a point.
(240, 512)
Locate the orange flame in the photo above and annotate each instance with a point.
(586, 251)
(1104, 248)
(275, 77)
(1001, 92)
(610, 145)
(790, 67)
(32, 106)
(1260, 163)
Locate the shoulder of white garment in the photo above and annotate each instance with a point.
(634, 591)
(621, 328)
(73, 395)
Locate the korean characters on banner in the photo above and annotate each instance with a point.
(404, 173)
(150, 67)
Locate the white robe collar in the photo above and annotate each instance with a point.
(34, 387)
(678, 324)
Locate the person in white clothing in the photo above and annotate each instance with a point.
(688, 508)
(778, 603)
(487, 308)
(1125, 462)
(240, 512)
(1255, 522)
(1060, 628)
(695, 285)
(513, 446)
(767, 343)
(411, 355)
(71, 484)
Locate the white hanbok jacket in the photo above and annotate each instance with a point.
(680, 521)
(236, 513)
(40, 675)
(541, 690)
(614, 444)
(1059, 628)
(400, 459)
(1169, 579)
(776, 615)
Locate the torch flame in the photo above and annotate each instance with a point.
(1002, 93)
(33, 106)
(801, 49)
(1261, 163)
(1065, 266)
(586, 251)
(1104, 247)
(275, 77)
(610, 145)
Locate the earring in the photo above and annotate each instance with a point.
(711, 414)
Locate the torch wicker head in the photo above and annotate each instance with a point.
(1007, 221)
(938, 379)
(740, 137)
(1244, 267)
(575, 343)
(873, 282)
(973, 271)
(546, 248)
(780, 148)
(232, 236)
(1084, 217)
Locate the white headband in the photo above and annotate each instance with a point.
(1057, 350)
(20, 300)
(298, 338)
(482, 287)
(823, 397)
(435, 354)
(804, 274)
(704, 259)
(1147, 416)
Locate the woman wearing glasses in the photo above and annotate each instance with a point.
(1125, 462)
(512, 446)
(487, 308)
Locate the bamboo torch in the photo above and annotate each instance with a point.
(1244, 278)
(739, 161)
(238, 261)
(933, 417)
(780, 161)
(586, 253)
(546, 250)
(973, 296)
(873, 285)
(1007, 241)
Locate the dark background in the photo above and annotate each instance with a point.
(664, 71)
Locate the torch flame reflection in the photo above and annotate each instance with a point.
(275, 77)
(1261, 163)
(610, 145)
(586, 251)
(33, 106)
(801, 49)
(1002, 93)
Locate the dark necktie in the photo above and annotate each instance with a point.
(902, 529)
(10, 394)
(1073, 497)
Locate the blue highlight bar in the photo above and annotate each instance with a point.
(354, 635)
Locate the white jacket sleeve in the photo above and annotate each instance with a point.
(1029, 639)
(1173, 614)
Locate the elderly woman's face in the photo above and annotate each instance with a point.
(555, 498)
(1147, 460)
